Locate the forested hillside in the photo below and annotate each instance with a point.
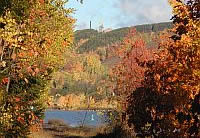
(94, 54)
(95, 39)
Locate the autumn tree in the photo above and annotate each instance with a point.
(128, 74)
(31, 48)
(168, 103)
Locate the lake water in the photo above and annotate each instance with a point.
(75, 118)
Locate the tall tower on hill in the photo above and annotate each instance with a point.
(90, 25)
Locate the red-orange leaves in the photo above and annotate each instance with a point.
(129, 73)
(17, 99)
(4, 81)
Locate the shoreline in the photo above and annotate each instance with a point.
(80, 109)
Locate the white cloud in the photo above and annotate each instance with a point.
(143, 11)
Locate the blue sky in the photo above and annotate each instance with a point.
(119, 13)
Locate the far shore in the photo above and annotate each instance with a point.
(80, 109)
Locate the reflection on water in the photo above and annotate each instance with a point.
(76, 118)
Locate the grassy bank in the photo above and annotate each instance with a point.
(58, 129)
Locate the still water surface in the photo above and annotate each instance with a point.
(76, 118)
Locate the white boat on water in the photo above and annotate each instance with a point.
(92, 119)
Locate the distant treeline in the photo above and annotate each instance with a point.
(153, 27)
(100, 39)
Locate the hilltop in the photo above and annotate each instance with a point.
(94, 39)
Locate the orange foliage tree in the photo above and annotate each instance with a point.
(168, 103)
(31, 49)
(128, 74)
